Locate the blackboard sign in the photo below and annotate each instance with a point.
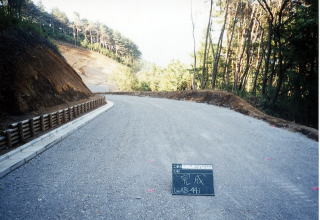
(194, 180)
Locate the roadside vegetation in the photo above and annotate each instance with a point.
(266, 52)
(80, 32)
(175, 76)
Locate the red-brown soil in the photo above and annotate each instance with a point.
(34, 76)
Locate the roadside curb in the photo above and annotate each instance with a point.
(21, 155)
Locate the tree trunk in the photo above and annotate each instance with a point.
(280, 52)
(266, 67)
(193, 87)
(248, 50)
(205, 47)
(219, 47)
(258, 64)
(239, 62)
(225, 71)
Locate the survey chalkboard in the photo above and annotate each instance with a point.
(192, 180)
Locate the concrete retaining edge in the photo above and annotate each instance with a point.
(21, 155)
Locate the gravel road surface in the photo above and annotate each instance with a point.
(119, 167)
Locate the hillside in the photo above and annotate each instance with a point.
(95, 69)
(33, 75)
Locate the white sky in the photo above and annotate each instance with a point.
(161, 28)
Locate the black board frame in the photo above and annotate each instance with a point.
(192, 194)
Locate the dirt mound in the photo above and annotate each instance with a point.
(33, 75)
(229, 100)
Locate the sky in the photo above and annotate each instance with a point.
(161, 28)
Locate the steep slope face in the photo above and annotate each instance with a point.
(96, 70)
(33, 75)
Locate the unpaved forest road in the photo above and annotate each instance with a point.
(119, 167)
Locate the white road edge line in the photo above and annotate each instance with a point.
(19, 156)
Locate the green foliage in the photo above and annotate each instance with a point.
(6, 19)
(81, 32)
(125, 79)
(291, 86)
(173, 77)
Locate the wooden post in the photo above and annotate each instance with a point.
(31, 125)
(8, 137)
(64, 116)
(20, 128)
(70, 114)
(42, 123)
(50, 120)
(58, 118)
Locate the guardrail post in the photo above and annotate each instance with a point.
(70, 114)
(8, 137)
(31, 125)
(75, 111)
(58, 118)
(20, 128)
(50, 120)
(42, 123)
(64, 116)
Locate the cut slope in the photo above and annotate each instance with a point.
(95, 69)
(33, 75)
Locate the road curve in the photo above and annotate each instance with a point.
(119, 167)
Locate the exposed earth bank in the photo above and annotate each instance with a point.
(95, 69)
(33, 75)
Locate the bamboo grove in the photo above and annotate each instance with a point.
(267, 50)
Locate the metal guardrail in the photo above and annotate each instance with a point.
(21, 131)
